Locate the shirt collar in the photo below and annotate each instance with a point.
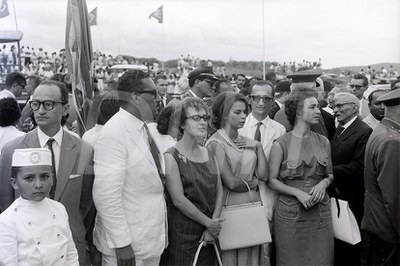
(135, 122)
(279, 104)
(43, 138)
(253, 121)
(350, 122)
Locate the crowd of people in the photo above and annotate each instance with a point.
(146, 185)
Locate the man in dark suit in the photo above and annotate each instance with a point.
(73, 161)
(348, 147)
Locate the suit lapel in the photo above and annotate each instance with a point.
(32, 139)
(137, 138)
(69, 155)
(347, 132)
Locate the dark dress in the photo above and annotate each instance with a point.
(303, 236)
(199, 181)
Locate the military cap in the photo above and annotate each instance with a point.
(309, 75)
(202, 73)
(282, 87)
(31, 157)
(391, 98)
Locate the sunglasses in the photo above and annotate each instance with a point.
(153, 93)
(257, 98)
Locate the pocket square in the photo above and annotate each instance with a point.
(74, 176)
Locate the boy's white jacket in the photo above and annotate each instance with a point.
(39, 232)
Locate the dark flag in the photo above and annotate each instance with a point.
(158, 14)
(78, 52)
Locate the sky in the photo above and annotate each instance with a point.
(340, 32)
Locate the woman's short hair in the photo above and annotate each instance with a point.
(222, 104)
(189, 102)
(295, 102)
(9, 112)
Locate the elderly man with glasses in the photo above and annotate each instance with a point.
(72, 162)
(348, 148)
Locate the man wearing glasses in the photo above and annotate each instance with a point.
(128, 189)
(347, 149)
(72, 161)
(358, 85)
(15, 84)
(201, 82)
(259, 126)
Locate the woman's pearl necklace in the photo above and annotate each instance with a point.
(225, 136)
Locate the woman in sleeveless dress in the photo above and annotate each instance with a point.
(194, 190)
(301, 171)
(241, 161)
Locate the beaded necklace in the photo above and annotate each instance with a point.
(225, 136)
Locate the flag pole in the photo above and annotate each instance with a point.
(263, 29)
(15, 16)
(163, 52)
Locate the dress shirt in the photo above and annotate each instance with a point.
(348, 123)
(7, 134)
(92, 134)
(6, 94)
(270, 130)
(43, 138)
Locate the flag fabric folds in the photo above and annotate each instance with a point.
(4, 9)
(93, 17)
(158, 14)
(78, 52)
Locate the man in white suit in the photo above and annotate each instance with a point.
(128, 191)
(261, 127)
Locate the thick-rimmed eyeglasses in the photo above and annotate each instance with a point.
(47, 105)
(340, 105)
(197, 118)
(257, 98)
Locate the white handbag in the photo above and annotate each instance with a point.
(196, 256)
(345, 226)
(244, 225)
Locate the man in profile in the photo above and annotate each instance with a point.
(15, 84)
(128, 190)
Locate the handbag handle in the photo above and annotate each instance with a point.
(338, 207)
(248, 188)
(196, 256)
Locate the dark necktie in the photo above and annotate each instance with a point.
(257, 135)
(53, 168)
(339, 130)
(155, 153)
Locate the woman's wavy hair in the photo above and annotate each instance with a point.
(222, 104)
(295, 102)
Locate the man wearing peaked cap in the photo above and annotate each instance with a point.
(308, 79)
(201, 82)
(305, 76)
(390, 99)
(380, 224)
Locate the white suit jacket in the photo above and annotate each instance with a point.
(270, 130)
(127, 192)
(36, 233)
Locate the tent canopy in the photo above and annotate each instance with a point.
(10, 36)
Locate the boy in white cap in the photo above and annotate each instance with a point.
(34, 230)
